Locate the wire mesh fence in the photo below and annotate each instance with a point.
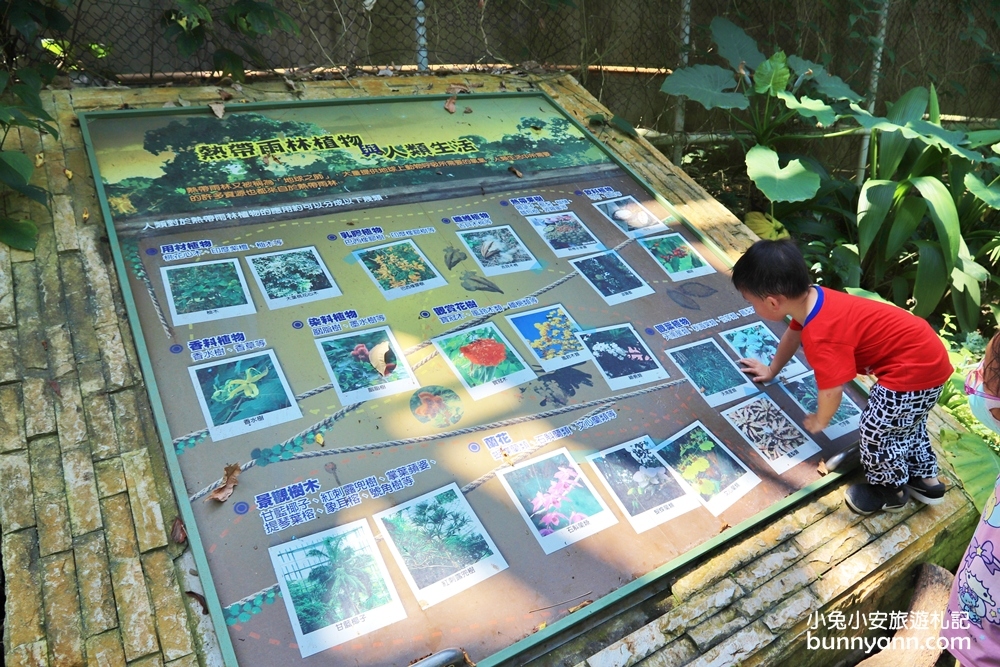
(620, 49)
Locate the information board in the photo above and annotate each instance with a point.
(430, 378)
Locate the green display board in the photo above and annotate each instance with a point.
(429, 379)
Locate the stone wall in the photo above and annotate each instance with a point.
(85, 504)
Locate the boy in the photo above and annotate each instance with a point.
(843, 336)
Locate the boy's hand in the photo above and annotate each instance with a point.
(813, 424)
(757, 371)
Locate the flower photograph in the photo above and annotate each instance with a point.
(399, 269)
(483, 360)
(243, 394)
(498, 250)
(565, 234)
(676, 256)
(556, 500)
(613, 279)
(294, 276)
(771, 433)
(206, 291)
(549, 333)
(621, 356)
(366, 364)
(435, 537)
(438, 406)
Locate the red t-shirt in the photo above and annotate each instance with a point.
(847, 335)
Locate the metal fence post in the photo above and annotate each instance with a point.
(883, 21)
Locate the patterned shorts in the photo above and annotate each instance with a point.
(895, 445)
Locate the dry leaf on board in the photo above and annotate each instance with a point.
(225, 95)
(178, 533)
(229, 483)
(382, 359)
(449, 106)
(515, 171)
(822, 469)
(456, 88)
(39, 159)
(201, 600)
(218, 108)
(579, 606)
(467, 110)
(69, 174)
(86, 215)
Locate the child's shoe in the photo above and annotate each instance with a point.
(870, 498)
(928, 494)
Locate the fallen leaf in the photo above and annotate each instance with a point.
(467, 110)
(457, 88)
(319, 439)
(54, 386)
(69, 174)
(699, 290)
(822, 469)
(514, 170)
(579, 606)
(238, 88)
(39, 159)
(225, 95)
(289, 83)
(229, 483)
(683, 300)
(178, 533)
(218, 108)
(86, 215)
(724, 527)
(541, 626)
(200, 599)
(449, 106)
(183, 102)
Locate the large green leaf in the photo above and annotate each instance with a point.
(15, 168)
(972, 269)
(909, 212)
(735, 45)
(928, 133)
(772, 75)
(706, 85)
(966, 298)
(975, 463)
(826, 84)
(795, 182)
(990, 194)
(20, 234)
(978, 138)
(931, 280)
(809, 107)
(873, 206)
(892, 145)
(857, 291)
(847, 264)
(941, 208)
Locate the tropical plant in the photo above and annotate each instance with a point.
(772, 99)
(290, 273)
(25, 69)
(706, 467)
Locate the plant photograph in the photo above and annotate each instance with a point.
(358, 362)
(498, 250)
(676, 256)
(397, 265)
(333, 576)
(803, 391)
(628, 215)
(243, 388)
(288, 276)
(481, 356)
(637, 477)
(618, 351)
(612, 277)
(206, 290)
(436, 535)
(757, 341)
(711, 371)
(438, 406)
(549, 334)
(701, 461)
(565, 234)
(770, 431)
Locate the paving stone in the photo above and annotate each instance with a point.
(678, 652)
(135, 611)
(17, 502)
(710, 632)
(62, 610)
(701, 605)
(629, 649)
(168, 601)
(55, 164)
(192, 661)
(736, 648)
(62, 359)
(52, 515)
(103, 435)
(765, 567)
(10, 367)
(777, 589)
(64, 220)
(840, 546)
(825, 528)
(88, 99)
(23, 611)
(52, 307)
(78, 312)
(95, 268)
(106, 650)
(35, 654)
(69, 414)
(144, 500)
(91, 377)
(40, 419)
(8, 315)
(30, 350)
(46, 466)
(96, 590)
(110, 477)
(149, 661)
(113, 355)
(12, 437)
(81, 491)
(847, 573)
(791, 611)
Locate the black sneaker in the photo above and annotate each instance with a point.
(869, 498)
(928, 494)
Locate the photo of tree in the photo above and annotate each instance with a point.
(437, 536)
(362, 361)
(714, 375)
(335, 586)
(613, 279)
(206, 291)
(549, 334)
(565, 234)
(292, 276)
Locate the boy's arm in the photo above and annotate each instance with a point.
(758, 372)
(829, 401)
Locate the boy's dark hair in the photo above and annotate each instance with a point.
(772, 268)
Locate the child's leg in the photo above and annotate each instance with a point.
(895, 445)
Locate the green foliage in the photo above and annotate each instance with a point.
(25, 70)
(198, 288)
(242, 389)
(191, 24)
(706, 467)
(975, 462)
(290, 273)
